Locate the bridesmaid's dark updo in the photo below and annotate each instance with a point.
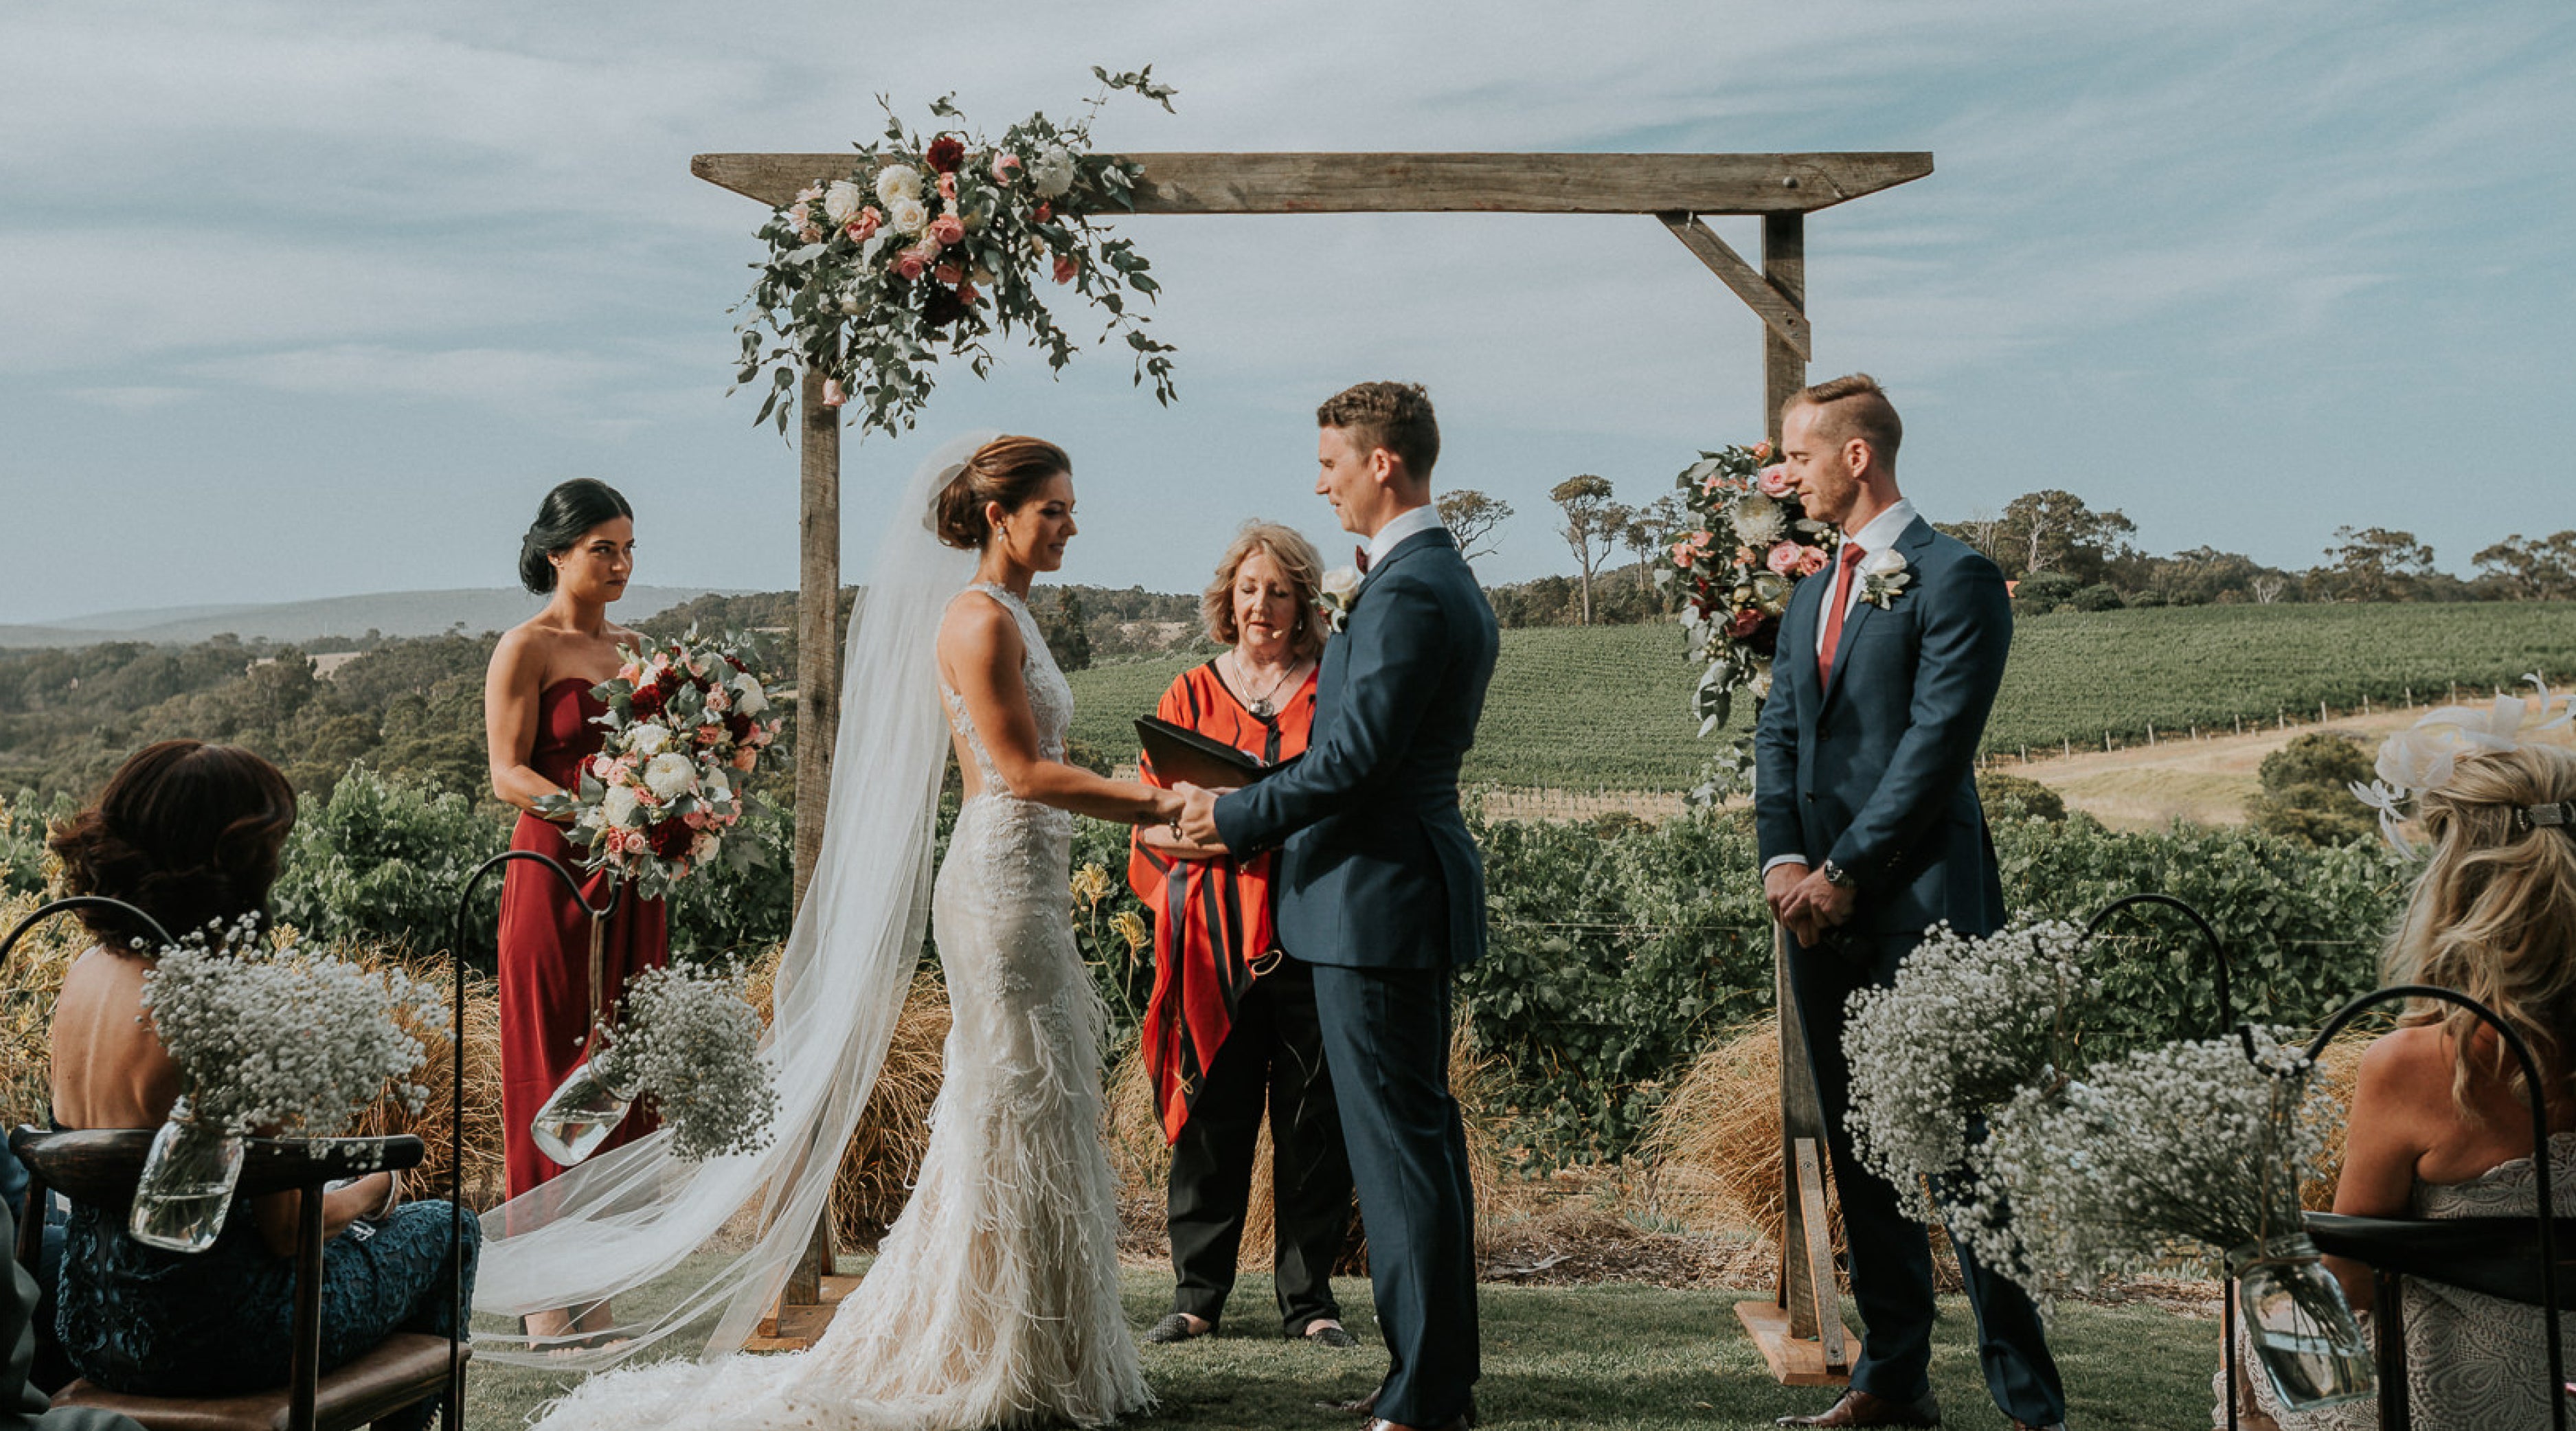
(568, 511)
(187, 832)
(1008, 470)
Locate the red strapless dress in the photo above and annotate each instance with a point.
(545, 946)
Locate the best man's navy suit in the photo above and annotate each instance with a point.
(1381, 889)
(1875, 770)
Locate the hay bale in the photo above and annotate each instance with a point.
(29, 983)
(884, 1154)
(1713, 1151)
(2340, 1068)
(486, 1181)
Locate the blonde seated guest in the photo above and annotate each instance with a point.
(190, 834)
(2440, 1125)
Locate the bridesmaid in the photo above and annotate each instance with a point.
(537, 714)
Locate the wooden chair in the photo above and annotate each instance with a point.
(100, 1167)
(2498, 1256)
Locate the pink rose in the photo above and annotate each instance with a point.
(1775, 481)
(911, 263)
(1066, 268)
(1744, 556)
(1812, 560)
(948, 229)
(864, 227)
(1783, 558)
(809, 193)
(695, 819)
(1744, 623)
(710, 734)
(1682, 553)
(1005, 168)
(809, 234)
(744, 760)
(798, 217)
(833, 393)
(948, 187)
(602, 766)
(949, 274)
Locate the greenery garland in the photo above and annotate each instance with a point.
(927, 247)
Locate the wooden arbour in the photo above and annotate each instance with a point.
(1802, 1333)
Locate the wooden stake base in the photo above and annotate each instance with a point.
(1795, 1361)
(797, 1326)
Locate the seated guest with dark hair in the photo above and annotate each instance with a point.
(2441, 1120)
(190, 833)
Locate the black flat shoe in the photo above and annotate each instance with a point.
(1174, 1327)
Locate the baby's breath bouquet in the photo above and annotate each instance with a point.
(690, 1041)
(270, 1041)
(2191, 1152)
(1967, 1025)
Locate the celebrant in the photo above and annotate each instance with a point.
(1232, 1023)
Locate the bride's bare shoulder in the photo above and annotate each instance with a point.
(977, 630)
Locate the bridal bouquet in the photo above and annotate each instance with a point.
(274, 1041)
(1752, 541)
(687, 721)
(934, 241)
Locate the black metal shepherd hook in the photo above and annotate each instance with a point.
(2208, 936)
(456, 1122)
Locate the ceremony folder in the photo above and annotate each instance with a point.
(1179, 754)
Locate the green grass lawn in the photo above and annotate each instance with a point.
(1608, 707)
(1619, 1355)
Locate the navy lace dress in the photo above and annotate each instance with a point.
(144, 1321)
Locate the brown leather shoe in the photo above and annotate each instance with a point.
(1862, 1408)
(1364, 1407)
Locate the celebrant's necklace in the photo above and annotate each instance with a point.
(1260, 705)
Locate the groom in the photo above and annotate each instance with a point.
(1380, 886)
(1866, 807)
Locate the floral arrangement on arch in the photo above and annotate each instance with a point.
(688, 722)
(1750, 542)
(929, 245)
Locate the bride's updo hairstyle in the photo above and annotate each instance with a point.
(1008, 470)
(187, 832)
(571, 509)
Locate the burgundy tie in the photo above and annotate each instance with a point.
(1834, 619)
(1360, 555)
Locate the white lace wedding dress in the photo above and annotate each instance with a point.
(993, 1301)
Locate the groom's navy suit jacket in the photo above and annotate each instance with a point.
(1876, 769)
(1377, 869)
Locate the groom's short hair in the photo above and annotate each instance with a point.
(1854, 406)
(1395, 416)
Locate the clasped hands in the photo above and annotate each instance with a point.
(1191, 822)
(1806, 902)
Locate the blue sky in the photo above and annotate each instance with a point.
(303, 300)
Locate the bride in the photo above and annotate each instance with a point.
(994, 1299)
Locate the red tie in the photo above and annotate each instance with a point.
(1834, 619)
(1360, 555)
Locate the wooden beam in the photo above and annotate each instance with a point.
(1432, 183)
(1777, 310)
(1784, 267)
(818, 608)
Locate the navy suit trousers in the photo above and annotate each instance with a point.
(1891, 1253)
(1386, 1040)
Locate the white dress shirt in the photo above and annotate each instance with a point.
(1412, 523)
(1878, 535)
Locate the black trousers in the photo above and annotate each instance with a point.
(1891, 1254)
(1273, 1055)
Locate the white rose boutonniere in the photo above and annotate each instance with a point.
(1341, 588)
(1883, 578)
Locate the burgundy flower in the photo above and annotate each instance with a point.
(670, 839)
(738, 726)
(648, 701)
(941, 307)
(946, 153)
(1765, 639)
(1746, 622)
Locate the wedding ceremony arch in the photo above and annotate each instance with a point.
(1800, 1332)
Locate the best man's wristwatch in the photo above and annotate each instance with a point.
(1837, 876)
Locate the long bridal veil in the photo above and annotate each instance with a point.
(683, 1244)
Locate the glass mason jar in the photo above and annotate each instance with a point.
(186, 1188)
(582, 1111)
(2302, 1331)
